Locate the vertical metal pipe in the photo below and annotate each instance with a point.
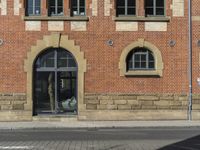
(56, 82)
(190, 60)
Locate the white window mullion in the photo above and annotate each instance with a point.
(126, 7)
(33, 7)
(78, 6)
(133, 61)
(147, 60)
(154, 7)
(56, 7)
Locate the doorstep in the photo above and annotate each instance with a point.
(55, 118)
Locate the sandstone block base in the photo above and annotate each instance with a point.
(15, 115)
(116, 115)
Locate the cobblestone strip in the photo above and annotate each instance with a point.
(88, 145)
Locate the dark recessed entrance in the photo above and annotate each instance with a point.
(55, 83)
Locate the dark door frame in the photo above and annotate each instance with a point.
(55, 69)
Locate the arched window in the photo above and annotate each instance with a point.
(140, 59)
(55, 82)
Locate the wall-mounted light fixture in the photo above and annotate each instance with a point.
(198, 81)
(198, 43)
(1, 41)
(110, 42)
(172, 43)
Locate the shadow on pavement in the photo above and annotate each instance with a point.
(188, 144)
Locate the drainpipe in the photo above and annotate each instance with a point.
(190, 60)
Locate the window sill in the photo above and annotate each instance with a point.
(144, 73)
(142, 19)
(55, 18)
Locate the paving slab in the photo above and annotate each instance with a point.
(95, 124)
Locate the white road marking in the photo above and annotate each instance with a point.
(16, 147)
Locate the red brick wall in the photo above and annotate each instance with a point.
(102, 74)
(195, 48)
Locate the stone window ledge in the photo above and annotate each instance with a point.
(57, 18)
(142, 19)
(195, 18)
(144, 73)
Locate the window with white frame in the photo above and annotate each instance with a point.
(154, 8)
(77, 7)
(33, 7)
(125, 7)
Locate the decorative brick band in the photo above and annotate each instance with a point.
(12, 101)
(137, 102)
(3, 7)
(17, 6)
(178, 8)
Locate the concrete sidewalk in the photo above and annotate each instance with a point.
(70, 123)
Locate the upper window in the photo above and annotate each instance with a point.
(140, 59)
(33, 7)
(55, 7)
(77, 7)
(125, 7)
(154, 7)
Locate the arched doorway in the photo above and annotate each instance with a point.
(55, 82)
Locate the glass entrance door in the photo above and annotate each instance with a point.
(55, 83)
(66, 90)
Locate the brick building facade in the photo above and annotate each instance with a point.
(97, 59)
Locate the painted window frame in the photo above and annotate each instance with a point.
(55, 66)
(154, 9)
(56, 8)
(78, 7)
(34, 8)
(126, 7)
(148, 61)
(141, 43)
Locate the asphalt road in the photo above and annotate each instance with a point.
(102, 139)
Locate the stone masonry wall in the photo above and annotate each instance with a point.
(12, 101)
(138, 102)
